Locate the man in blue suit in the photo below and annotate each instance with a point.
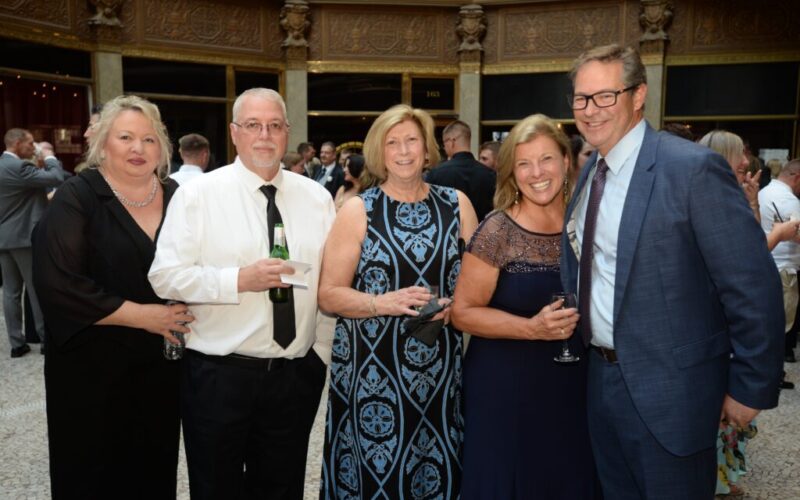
(679, 298)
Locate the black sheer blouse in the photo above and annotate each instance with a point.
(90, 256)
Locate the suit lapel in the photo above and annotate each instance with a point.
(633, 214)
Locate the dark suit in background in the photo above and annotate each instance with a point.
(468, 175)
(23, 200)
(331, 181)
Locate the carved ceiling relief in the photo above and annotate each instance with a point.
(490, 42)
(350, 34)
(273, 34)
(562, 33)
(47, 12)
(743, 25)
(203, 23)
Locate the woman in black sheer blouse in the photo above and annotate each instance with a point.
(112, 398)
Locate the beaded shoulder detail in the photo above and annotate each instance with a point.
(502, 243)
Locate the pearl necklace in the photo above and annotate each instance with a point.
(137, 204)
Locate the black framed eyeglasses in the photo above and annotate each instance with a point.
(603, 99)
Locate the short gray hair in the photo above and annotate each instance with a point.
(268, 94)
(14, 135)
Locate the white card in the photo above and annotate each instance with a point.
(300, 276)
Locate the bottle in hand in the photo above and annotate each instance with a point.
(279, 251)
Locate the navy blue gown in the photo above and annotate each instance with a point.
(526, 434)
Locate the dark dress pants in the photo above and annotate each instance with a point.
(112, 421)
(246, 424)
(631, 463)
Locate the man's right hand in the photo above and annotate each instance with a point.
(263, 275)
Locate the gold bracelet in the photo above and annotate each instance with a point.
(373, 311)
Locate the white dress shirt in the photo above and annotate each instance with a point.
(621, 161)
(186, 173)
(778, 194)
(216, 225)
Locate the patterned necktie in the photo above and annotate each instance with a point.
(587, 250)
(282, 312)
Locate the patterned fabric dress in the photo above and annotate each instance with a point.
(394, 426)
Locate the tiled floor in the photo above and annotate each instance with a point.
(774, 453)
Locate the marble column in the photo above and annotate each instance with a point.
(471, 29)
(295, 20)
(107, 68)
(297, 105)
(655, 17)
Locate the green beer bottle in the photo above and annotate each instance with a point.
(279, 251)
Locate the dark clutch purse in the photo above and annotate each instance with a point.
(421, 327)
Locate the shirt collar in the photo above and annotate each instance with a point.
(252, 181)
(7, 152)
(781, 185)
(629, 144)
(188, 167)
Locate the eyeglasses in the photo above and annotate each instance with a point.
(604, 99)
(254, 127)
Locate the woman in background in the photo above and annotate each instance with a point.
(353, 166)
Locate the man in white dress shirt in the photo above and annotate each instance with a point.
(195, 152)
(778, 202)
(251, 381)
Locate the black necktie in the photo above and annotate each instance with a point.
(587, 250)
(282, 312)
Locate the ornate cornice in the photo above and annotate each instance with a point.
(382, 67)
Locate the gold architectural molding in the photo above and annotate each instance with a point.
(381, 67)
(728, 118)
(552, 66)
(511, 123)
(222, 60)
(732, 58)
(183, 97)
(38, 75)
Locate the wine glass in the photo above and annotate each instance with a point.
(569, 301)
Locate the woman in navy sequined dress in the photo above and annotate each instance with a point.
(526, 433)
(394, 425)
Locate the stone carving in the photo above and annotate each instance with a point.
(735, 26)
(471, 27)
(295, 20)
(42, 12)
(655, 18)
(106, 13)
(563, 32)
(401, 35)
(203, 23)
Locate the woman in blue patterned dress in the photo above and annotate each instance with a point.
(394, 425)
(526, 434)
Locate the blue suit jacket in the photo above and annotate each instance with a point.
(694, 284)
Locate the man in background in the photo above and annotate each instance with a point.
(488, 152)
(195, 152)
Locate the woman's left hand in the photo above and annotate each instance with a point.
(750, 186)
(445, 313)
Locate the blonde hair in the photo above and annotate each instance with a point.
(728, 144)
(111, 112)
(375, 169)
(523, 132)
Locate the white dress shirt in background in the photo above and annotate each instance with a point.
(186, 173)
(778, 194)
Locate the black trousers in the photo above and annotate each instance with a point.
(112, 421)
(246, 424)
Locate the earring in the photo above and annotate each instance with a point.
(566, 189)
(516, 198)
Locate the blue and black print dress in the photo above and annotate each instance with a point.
(394, 426)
